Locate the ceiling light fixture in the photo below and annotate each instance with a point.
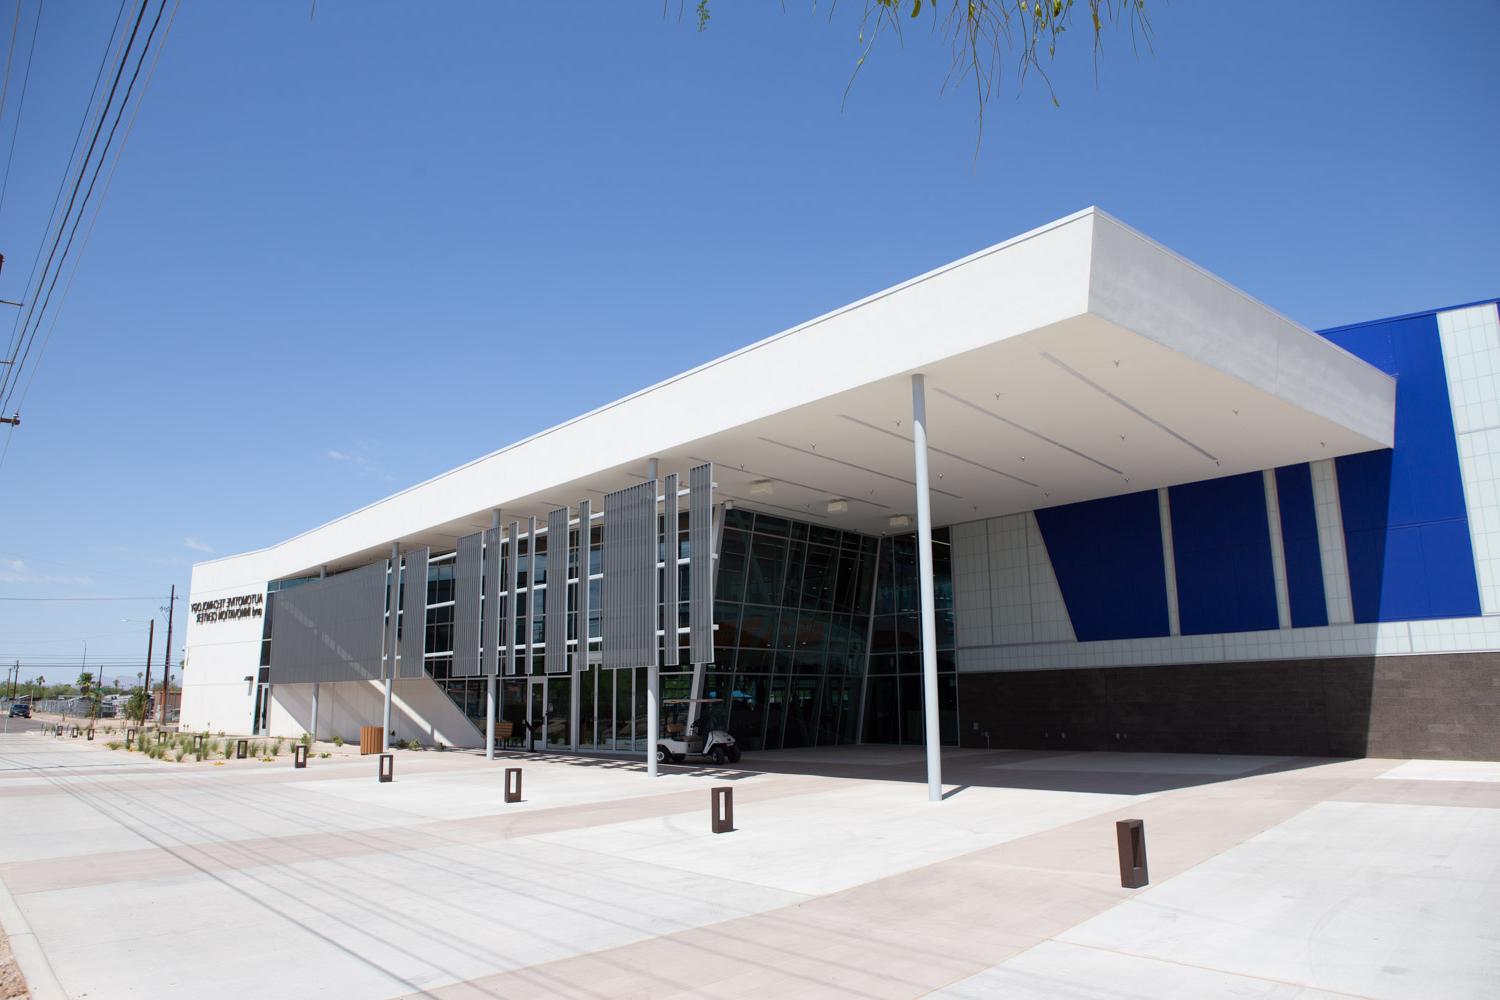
(838, 506)
(900, 521)
(762, 488)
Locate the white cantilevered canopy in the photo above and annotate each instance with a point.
(1077, 361)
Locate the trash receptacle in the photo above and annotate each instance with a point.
(371, 739)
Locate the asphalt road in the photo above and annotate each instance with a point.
(9, 725)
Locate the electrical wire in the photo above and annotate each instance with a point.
(62, 182)
(20, 110)
(98, 209)
(33, 311)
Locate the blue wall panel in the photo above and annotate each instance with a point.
(1405, 523)
(1221, 544)
(1299, 539)
(1107, 557)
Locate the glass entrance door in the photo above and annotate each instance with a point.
(548, 707)
(536, 713)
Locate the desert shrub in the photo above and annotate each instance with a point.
(325, 754)
(114, 744)
(178, 754)
(305, 739)
(276, 748)
(338, 741)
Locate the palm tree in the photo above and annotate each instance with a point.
(89, 691)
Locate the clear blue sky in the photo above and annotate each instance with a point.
(341, 253)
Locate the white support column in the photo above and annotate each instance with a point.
(653, 717)
(1169, 561)
(489, 680)
(929, 600)
(1331, 548)
(322, 575)
(653, 676)
(392, 604)
(1278, 551)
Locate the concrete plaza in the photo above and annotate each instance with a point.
(1270, 877)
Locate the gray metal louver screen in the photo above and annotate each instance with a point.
(508, 616)
(466, 577)
(629, 612)
(701, 565)
(413, 641)
(669, 572)
(489, 628)
(584, 609)
(555, 628)
(329, 630)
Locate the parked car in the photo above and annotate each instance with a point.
(20, 710)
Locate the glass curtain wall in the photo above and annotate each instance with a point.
(894, 705)
(800, 610)
(793, 613)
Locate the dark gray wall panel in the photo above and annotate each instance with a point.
(508, 615)
(489, 626)
(701, 566)
(629, 610)
(413, 641)
(556, 624)
(669, 572)
(330, 630)
(466, 576)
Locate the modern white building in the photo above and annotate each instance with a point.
(1070, 491)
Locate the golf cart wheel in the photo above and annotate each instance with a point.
(734, 755)
(662, 756)
(718, 756)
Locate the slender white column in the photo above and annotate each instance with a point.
(929, 600)
(653, 717)
(1169, 560)
(1278, 550)
(653, 677)
(494, 630)
(393, 605)
(322, 574)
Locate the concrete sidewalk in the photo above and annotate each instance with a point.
(1271, 877)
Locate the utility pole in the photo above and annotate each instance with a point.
(166, 670)
(146, 691)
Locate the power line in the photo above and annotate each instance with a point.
(155, 597)
(62, 181)
(99, 206)
(10, 55)
(12, 375)
(20, 110)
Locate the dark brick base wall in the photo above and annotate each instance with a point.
(1445, 706)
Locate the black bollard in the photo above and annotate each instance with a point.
(512, 794)
(241, 749)
(387, 766)
(721, 809)
(299, 755)
(1130, 836)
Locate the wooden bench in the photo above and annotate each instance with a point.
(504, 731)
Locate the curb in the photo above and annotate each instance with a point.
(40, 979)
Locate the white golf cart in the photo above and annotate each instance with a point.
(685, 721)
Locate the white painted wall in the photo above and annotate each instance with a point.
(419, 710)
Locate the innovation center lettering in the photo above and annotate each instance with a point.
(224, 609)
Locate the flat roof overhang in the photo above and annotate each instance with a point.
(1078, 361)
